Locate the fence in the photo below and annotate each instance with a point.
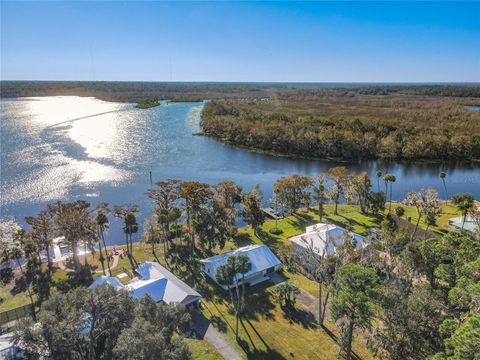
(15, 314)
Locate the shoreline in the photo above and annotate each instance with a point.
(333, 159)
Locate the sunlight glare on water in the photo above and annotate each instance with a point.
(55, 143)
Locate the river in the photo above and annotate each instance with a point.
(68, 148)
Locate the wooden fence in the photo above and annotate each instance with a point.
(15, 314)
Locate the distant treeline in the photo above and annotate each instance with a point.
(184, 91)
(431, 90)
(349, 124)
(135, 91)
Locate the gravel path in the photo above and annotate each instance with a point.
(208, 332)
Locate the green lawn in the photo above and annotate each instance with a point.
(202, 350)
(267, 332)
(448, 211)
(9, 299)
(348, 217)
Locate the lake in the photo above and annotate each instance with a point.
(68, 148)
(472, 107)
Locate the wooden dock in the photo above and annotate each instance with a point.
(271, 213)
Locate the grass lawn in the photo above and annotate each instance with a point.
(348, 217)
(10, 299)
(202, 350)
(267, 332)
(448, 211)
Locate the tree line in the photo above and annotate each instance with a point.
(347, 125)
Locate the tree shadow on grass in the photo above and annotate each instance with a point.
(299, 316)
(20, 285)
(258, 354)
(303, 218)
(258, 302)
(348, 223)
(250, 348)
(242, 239)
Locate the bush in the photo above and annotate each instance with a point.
(275, 231)
(400, 211)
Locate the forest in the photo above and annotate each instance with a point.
(133, 91)
(420, 123)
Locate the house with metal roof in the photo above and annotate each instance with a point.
(324, 240)
(464, 225)
(157, 282)
(263, 260)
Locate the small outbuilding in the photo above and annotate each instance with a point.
(263, 260)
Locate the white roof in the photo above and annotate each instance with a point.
(260, 256)
(157, 282)
(161, 284)
(318, 235)
(6, 341)
(106, 280)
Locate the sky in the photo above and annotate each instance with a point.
(241, 41)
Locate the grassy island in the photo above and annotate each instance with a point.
(147, 103)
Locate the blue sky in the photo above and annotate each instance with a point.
(241, 41)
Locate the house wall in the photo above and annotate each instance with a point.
(253, 278)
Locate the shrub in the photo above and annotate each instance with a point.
(275, 231)
(400, 211)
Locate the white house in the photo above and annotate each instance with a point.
(7, 348)
(263, 260)
(157, 282)
(324, 239)
(465, 225)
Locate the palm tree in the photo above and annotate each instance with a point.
(129, 215)
(389, 178)
(233, 268)
(378, 174)
(385, 180)
(243, 267)
(442, 176)
(102, 227)
(225, 275)
(463, 202)
(392, 180)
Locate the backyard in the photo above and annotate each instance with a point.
(266, 330)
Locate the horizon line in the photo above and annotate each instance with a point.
(256, 82)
